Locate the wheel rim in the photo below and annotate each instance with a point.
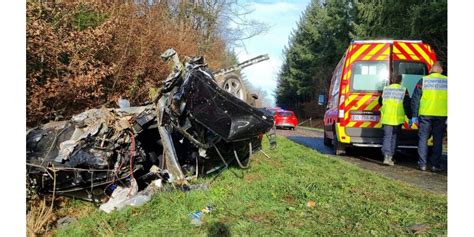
(234, 87)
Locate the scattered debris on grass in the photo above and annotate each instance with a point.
(122, 156)
(311, 204)
(197, 216)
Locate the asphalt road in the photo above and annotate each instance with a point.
(371, 159)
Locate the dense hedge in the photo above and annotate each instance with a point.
(83, 55)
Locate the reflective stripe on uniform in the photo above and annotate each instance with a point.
(392, 110)
(435, 84)
(393, 93)
(434, 98)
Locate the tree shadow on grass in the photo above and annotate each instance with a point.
(218, 229)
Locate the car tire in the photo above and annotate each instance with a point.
(338, 148)
(234, 85)
(327, 141)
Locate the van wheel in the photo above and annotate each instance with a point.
(327, 141)
(337, 147)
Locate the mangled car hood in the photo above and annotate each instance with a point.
(225, 115)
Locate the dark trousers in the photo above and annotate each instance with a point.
(431, 125)
(390, 139)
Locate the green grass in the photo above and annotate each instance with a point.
(311, 128)
(270, 199)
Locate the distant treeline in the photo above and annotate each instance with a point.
(326, 28)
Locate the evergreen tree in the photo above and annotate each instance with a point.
(326, 28)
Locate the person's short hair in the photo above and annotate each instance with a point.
(437, 67)
(397, 78)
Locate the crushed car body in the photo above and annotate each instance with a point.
(192, 128)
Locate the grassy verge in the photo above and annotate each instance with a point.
(270, 198)
(311, 128)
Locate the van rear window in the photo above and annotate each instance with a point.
(411, 73)
(369, 76)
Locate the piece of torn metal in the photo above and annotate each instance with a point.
(193, 128)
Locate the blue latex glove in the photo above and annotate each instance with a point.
(412, 121)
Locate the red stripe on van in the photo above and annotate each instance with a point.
(407, 56)
(428, 52)
(369, 101)
(357, 124)
(380, 52)
(415, 51)
(348, 106)
(353, 50)
(354, 101)
(365, 52)
(372, 124)
(349, 55)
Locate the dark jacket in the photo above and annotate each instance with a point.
(406, 104)
(415, 99)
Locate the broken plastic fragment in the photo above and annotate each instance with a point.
(202, 152)
(123, 103)
(119, 197)
(65, 149)
(311, 204)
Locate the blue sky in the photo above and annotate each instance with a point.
(281, 17)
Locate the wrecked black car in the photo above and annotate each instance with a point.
(192, 128)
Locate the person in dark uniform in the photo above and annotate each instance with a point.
(430, 112)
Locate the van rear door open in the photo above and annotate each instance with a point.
(353, 111)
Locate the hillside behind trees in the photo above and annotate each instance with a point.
(325, 30)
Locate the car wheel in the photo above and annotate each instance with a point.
(234, 85)
(327, 141)
(338, 148)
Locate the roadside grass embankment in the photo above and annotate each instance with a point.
(271, 198)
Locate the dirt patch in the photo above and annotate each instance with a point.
(289, 199)
(249, 178)
(265, 217)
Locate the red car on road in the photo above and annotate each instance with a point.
(285, 119)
